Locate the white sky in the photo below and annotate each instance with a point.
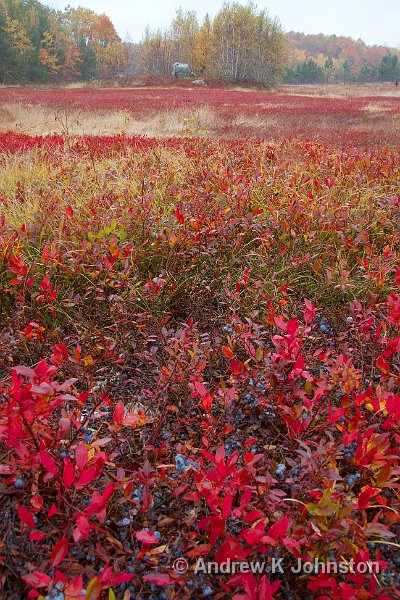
(374, 21)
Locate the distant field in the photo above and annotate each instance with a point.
(362, 115)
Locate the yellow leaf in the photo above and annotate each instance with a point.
(93, 590)
(308, 387)
(172, 240)
(259, 353)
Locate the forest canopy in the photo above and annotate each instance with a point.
(40, 44)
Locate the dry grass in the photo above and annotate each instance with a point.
(38, 120)
(27, 180)
(364, 90)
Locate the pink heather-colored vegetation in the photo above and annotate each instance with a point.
(150, 99)
(363, 120)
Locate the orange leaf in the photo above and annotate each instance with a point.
(228, 352)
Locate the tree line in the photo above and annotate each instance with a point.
(240, 44)
(337, 59)
(40, 44)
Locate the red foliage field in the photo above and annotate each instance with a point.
(364, 120)
(199, 360)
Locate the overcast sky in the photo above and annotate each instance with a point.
(374, 21)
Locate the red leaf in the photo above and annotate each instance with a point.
(37, 579)
(250, 441)
(59, 552)
(336, 415)
(83, 525)
(145, 536)
(220, 454)
(179, 490)
(48, 462)
(68, 473)
(266, 590)
(179, 216)
(81, 456)
(52, 511)
(121, 578)
(36, 536)
(159, 579)
(86, 476)
(364, 498)
(236, 366)
(254, 534)
(119, 413)
(26, 516)
(6, 470)
(253, 515)
(281, 324)
(207, 403)
(279, 529)
(74, 587)
(25, 371)
(200, 389)
(226, 506)
(309, 311)
(382, 365)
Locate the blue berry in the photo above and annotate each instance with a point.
(180, 463)
(353, 478)
(350, 449)
(19, 483)
(280, 471)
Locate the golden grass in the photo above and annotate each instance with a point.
(38, 120)
(27, 181)
(23, 177)
(364, 90)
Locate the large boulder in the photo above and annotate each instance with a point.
(182, 70)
